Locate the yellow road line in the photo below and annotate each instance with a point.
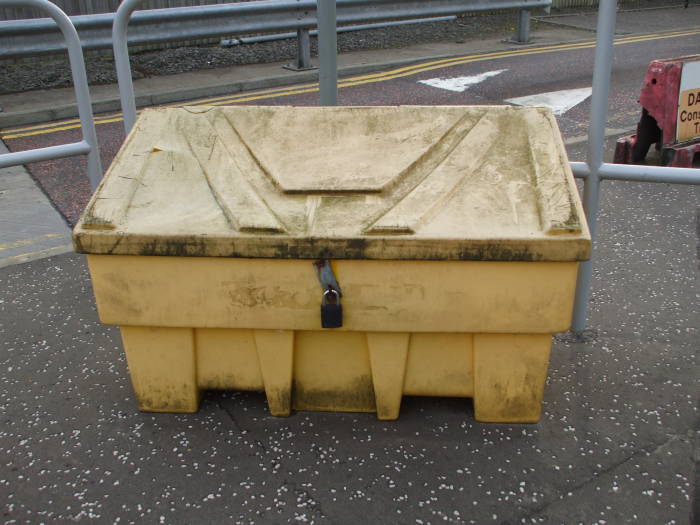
(271, 91)
(48, 125)
(31, 256)
(400, 72)
(59, 128)
(25, 242)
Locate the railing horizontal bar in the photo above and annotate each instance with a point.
(47, 25)
(150, 16)
(387, 9)
(48, 153)
(580, 169)
(639, 173)
(147, 37)
(341, 29)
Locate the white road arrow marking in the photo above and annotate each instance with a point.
(460, 84)
(558, 101)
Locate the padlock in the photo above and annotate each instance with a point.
(331, 312)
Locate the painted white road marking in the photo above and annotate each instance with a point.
(460, 84)
(558, 101)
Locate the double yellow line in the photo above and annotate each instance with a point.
(40, 129)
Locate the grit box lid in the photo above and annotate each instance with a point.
(399, 182)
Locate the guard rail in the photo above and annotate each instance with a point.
(21, 38)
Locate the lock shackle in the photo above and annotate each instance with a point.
(331, 291)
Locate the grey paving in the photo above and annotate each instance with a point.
(618, 441)
(30, 227)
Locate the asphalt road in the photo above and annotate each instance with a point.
(524, 72)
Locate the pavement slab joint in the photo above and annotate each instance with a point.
(649, 450)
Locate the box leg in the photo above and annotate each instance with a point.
(510, 371)
(387, 354)
(276, 356)
(162, 368)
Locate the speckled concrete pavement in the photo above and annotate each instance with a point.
(618, 441)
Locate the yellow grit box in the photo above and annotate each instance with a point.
(442, 242)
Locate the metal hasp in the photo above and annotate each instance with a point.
(331, 309)
(326, 277)
(670, 100)
(88, 145)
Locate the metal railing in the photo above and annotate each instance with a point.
(38, 36)
(88, 145)
(341, 29)
(594, 170)
(303, 59)
(83, 7)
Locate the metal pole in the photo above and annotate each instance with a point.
(82, 96)
(327, 52)
(523, 36)
(602, 68)
(48, 153)
(649, 174)
(303, 49)
(121, 61)
(303, 61)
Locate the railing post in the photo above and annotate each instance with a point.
(121, 61)
(523, 34)
(327, 52)
(303, 49)
(596, 140)
(303, 61)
